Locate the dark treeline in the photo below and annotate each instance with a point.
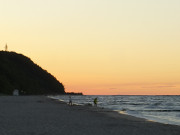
(73, 93)
(19, 72)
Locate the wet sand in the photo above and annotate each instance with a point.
(39, 115)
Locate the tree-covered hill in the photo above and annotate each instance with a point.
(19, 72)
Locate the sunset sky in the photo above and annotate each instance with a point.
(129, 47)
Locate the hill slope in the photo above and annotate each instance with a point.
(19, 72)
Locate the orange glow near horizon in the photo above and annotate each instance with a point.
(99, 47)
(126, 90)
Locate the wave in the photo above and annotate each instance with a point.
(156, 110)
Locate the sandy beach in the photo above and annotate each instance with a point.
(39, 115)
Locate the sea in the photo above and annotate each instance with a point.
(163, 109)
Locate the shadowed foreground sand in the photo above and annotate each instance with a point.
(36, 115)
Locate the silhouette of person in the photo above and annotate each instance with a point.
(70, 101)
(95, 102)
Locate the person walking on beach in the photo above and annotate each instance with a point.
(70, 101)
(95, 102)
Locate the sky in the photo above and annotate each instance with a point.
(104, 47)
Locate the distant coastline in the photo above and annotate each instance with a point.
(74, 93)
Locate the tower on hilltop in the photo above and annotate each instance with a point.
(6, 47)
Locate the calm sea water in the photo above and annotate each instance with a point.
(164, 109)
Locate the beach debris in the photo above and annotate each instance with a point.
(88, 104)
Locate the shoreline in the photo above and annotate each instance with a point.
(37, 115)
(100, 109)
(117, 111)
(112, 113)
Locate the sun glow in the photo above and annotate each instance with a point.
(99, 47)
